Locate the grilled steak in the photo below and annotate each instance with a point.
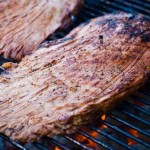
(25, 24)
(57, 89)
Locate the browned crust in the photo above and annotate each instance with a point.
(25, 24)
(58, 89)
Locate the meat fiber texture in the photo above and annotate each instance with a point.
(24, 24)
(57, 89)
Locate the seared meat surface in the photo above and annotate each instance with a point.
(24, 24)
(56, 90)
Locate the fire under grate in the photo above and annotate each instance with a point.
(126, 127)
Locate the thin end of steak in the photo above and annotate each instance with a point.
(25, 24)
(56, 90)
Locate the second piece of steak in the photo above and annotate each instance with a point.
(55, 90)
(24, 24)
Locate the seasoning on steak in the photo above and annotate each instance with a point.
(24, 24)
(55, 90)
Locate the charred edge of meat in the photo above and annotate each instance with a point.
(136, 31)
(112, 24)
(47, 44)
(145, 37)
(128, 29)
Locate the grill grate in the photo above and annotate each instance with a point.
(132, 115)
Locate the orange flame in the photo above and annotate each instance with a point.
(103, 118)
(56, 148)
(94, 134)
(87, 141)
(134, 133)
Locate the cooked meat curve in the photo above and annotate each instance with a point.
(56, 90)
(24, 24)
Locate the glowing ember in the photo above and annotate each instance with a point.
(94, 134)
(56, 148)
(87, 141)
(103, 118)
(134, 133)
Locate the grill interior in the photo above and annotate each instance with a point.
(126, 127)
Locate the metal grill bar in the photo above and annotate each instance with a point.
(4, 59)
(125, 133)
(39, 145)
(78, 143)
(116, 6)
(143, 3)
(141, 99)
(104, 8)
(95, 140)
(130, 125)
(111, 137)
(137, 7)
(137, 2)
(13, 143)
(145, 92)
(1, 69)
(137, 108)
(135, 117)
(56, 143)
(88, 15)
(147, 1)
(95, 11)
